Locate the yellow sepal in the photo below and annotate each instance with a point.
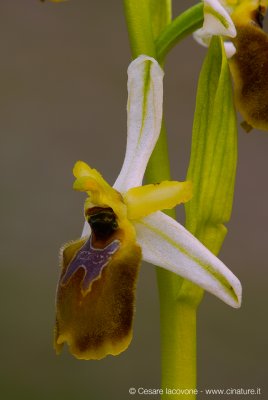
(81, 169)
(144, 200)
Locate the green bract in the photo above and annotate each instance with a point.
(212, 167)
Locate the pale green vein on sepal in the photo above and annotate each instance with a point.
(147, 82)
(213, 161)
(146, 87)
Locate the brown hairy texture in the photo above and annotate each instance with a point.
(249, 67)
(100, 322)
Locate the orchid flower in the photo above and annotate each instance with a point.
(217, 21)
(247, 49)
(124, 224)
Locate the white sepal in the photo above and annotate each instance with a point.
(217, 22)
(144, 108)
(230, 49)
(202, 37)
(169, 245)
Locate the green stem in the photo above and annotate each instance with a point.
(177, 306)
(179, 300)
(182, 26)
(178, 318)
(137, 13)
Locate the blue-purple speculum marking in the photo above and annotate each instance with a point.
(92, 260)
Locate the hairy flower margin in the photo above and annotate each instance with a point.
(124, 224)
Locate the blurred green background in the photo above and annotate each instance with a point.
(63, 97)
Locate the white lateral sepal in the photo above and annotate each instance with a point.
(169, 245)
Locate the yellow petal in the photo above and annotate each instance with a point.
(95, 313)
(81, 169)
(86, 184)
(144, 200)
(99, 191)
